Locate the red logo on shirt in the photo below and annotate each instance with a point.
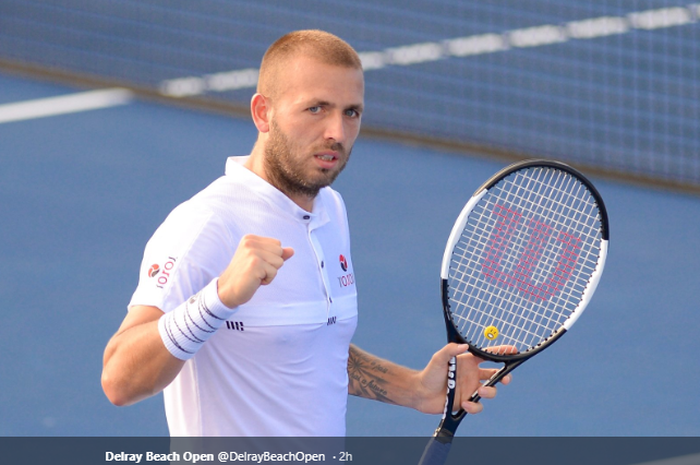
(348, 279)
(164, 272)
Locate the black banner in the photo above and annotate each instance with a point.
(384, 450)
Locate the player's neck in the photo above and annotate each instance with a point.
(256, 164)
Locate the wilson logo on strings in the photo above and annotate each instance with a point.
(509, 224)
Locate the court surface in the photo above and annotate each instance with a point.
(82, 193)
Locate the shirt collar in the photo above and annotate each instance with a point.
(316, 218)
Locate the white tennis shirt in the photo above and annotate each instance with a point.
(278, 366)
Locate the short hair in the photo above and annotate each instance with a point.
(319, 45)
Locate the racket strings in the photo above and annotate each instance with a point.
(524, 259)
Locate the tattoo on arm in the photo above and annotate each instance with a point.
(367, 376)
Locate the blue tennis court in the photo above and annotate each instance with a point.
(82, 193)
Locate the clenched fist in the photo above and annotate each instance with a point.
(254, 264)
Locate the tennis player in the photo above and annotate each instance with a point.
(246, 303)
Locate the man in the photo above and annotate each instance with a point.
(259, 344)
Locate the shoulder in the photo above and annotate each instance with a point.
(196, 228)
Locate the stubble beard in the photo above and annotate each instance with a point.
(287, 168)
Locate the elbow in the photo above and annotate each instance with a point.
(115, 391)
(122, 390)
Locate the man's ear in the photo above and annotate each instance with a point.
(260, 110)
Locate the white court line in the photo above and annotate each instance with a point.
(91, 100)
(537, 36)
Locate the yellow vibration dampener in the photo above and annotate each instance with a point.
(491, 333)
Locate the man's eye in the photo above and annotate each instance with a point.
(315, 109)
(352, 113)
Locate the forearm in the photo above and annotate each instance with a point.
(375, 378)
(136, 364)
(150, 348)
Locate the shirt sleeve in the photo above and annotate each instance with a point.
(190, 248)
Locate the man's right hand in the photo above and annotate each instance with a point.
(255, 263)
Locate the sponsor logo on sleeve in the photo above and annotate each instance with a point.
(153, 270)
(162, 273)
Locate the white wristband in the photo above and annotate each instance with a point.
(193, 322)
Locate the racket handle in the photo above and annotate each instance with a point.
(435, 452)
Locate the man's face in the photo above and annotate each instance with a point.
(314, 122)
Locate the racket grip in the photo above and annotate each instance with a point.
(435, 452)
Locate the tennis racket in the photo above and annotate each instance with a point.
(520, 266)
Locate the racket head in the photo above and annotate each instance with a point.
(523, 259)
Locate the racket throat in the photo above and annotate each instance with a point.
(498, 376)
